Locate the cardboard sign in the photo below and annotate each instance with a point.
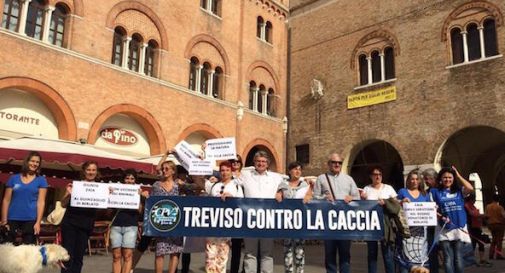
(89, 195)
(124, 196)
(420, 213)
(220, 149)
(200, 167)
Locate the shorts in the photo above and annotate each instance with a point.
(124, 237)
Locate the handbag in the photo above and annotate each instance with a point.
(56, 215)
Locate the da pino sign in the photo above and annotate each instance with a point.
(118, 136)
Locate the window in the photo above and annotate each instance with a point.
(264, 30)
(253, 92)
(57, 27)
(35, 19)
(268, 32)
(10, 19)
(457, 46)
(302, 153)
(204, 78)
(134, 52)
(212, 6)
(374, 58)
(471, 32)
(217, 82)
(271, 102)
(117, 46)
(261, 93)
(193, 73)
(490, 43)
(150, 54)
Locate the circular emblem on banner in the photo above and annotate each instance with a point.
(164, 215)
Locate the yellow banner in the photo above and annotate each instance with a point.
(371, 98)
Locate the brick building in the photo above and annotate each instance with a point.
(404, 84)
(152, 72)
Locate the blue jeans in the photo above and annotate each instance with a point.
(453, 256)
(344, 256)
(387, 256)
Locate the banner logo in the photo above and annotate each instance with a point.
(164, 215)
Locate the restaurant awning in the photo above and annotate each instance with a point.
(61, 155)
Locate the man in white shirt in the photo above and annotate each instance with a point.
(259, 183)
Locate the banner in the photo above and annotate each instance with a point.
(370, 98)
(166, 216)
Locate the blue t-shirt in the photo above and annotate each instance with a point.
(404, 193)
(23, 206)
(452, 205)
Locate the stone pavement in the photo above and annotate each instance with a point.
(101, 263)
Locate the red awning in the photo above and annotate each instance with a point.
(62, 155)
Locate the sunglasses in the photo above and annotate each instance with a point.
(222, 189)
(335, 162)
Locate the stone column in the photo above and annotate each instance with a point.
(210, 82)
(481, 40)
(142, 58)
(255, 98)
(47, 23)
(383, 67)
(126, 51)
(264, 99)
(23, 16)
(465, 46)
(198, 77)
(369, 65)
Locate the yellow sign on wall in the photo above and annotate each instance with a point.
(370, 98)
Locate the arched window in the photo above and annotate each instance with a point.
(363, 69)
(34, 19)
(376, 67)
(204, 78)
(259, 103)
(150, 56)
(216, 7)
(217, 82)
(271, 102)
(490, 42)
(117, 46)
(134, 52)
(10, 18)
(389, 63)
(193, 73)
(57, 27)
(268, 32)
(473, 42)
(260, 27)
(457, 46)
(252, 97)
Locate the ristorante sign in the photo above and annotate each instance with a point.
(266, 218)
(118, 136)
(21, 118)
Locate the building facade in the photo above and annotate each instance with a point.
(137, 77)
(401, 84)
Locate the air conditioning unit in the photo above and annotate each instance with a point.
(316, 89)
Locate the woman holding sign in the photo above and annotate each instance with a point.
(78, 223)
(123, 234)
(379, 191)
(413, 251)
(217, 249)
(449, 198)
(167, 245)
(24, 200)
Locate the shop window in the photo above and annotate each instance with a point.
(11, 12)
(302, 153)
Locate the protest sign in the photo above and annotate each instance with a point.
(89, 195)
(262, 218)
(220, 149)
(185, 154)
(200, 167)
(124, 196)
(420, 213)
